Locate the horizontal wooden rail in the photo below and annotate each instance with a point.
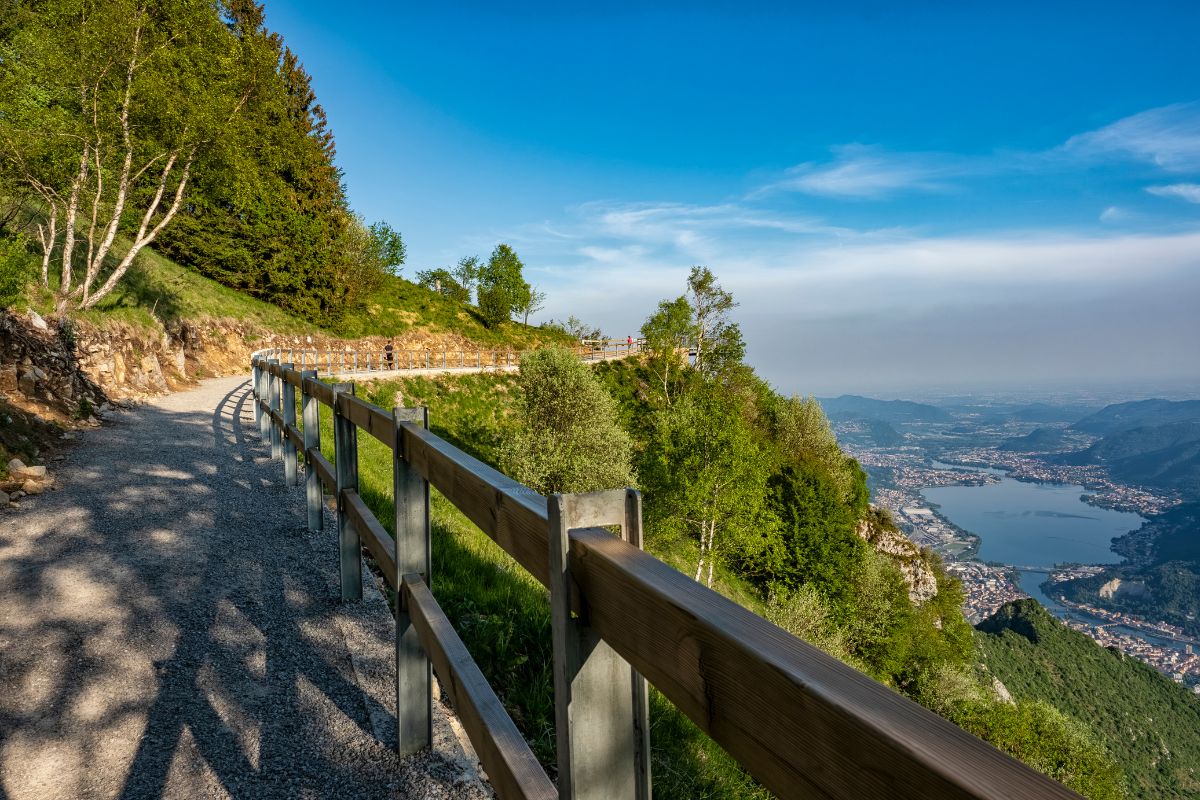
(511, 767)
(374, 536)
(324, 470)
(800, 721)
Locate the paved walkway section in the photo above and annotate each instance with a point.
(169, 628)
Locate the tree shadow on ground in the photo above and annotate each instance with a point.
(167, 628)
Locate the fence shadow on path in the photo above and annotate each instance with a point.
(167, 627)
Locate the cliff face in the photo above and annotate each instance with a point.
(922, 583)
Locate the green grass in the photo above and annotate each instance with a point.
(157, 291)
(501, 612)
(400, 307)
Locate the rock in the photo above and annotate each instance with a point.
(33, 487)
(15, 496)
(36, 320)
(27, 383)
(15, 465)
(30, 473)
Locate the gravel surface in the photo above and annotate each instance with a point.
(169, 628)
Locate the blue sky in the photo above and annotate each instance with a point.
(901, 195)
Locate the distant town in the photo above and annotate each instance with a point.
(899, 473)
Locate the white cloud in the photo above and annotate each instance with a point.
(1168, 137)
(863, 172)
(1184, 191)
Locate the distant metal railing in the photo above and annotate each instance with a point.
(802, 723)
(364, 360)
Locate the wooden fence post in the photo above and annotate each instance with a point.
(414, 696)
(273, 404)
(311, 411)
(345, 445)
(290, 471)
(601, 705)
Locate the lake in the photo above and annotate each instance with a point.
(1033, 524)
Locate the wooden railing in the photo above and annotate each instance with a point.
(802, 723)
(370, 359)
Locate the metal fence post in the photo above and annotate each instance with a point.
(345, 445)
(290, 471)
(600, 702)
(255, 392)
(264, 432)
(273, 403)
(414, 697)
(311, 411)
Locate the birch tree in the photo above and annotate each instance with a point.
(104, 107)
(707, 473)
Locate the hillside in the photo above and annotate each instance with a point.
(1039, 440)
(1163, 456)
(1150, 725)
(850, 406)
(1169, 569)
(1127, 416)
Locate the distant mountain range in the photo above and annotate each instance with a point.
(1149, 443)
(1139, 414)
(852, 406)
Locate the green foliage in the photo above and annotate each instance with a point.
(106, 110)
(466, 272)
(16, 270)
(157, 291)
(1030, 730)
(575, 328)
(706, 468)
(387, 250)
(667, 334)
(566, 437)
(718, 341)
(814, 542)
(443, 282)
(400, 306)
(801, 432)
(502, 287)
(267, 214)
(1148, 723)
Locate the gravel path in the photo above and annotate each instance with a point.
(169, 628)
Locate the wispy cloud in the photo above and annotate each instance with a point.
(866, 172)
(1168, 137)
(1184, 191)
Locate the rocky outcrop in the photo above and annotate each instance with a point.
(1121, 588)
(39, 370)
(922, 582)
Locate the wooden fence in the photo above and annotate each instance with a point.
(801, 722)
(370, 359)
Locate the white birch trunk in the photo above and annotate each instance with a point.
(145, 237)
(64, 288)
(46, 235)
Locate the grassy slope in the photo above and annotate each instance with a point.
(501, 612)
(157, 291)
(1150, 725)
(401, 307)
